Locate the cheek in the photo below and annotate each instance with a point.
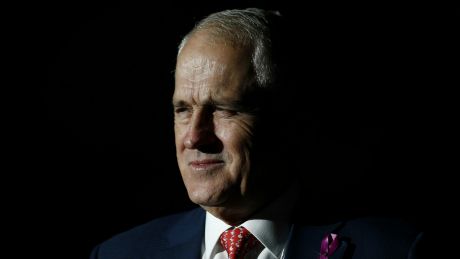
(236, 138)
(230, 135)
(179, 134)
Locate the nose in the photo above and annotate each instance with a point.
(200, 134)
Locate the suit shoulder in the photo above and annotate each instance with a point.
(380, 226)
(152, 235)
(385, 236)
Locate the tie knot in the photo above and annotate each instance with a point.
(237, 242)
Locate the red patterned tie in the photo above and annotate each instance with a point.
(237, 242)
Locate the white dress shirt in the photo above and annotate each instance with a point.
(272, 234)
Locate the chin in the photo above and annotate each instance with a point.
(204, 198)
(204, 201)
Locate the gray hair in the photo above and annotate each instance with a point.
(246, 28)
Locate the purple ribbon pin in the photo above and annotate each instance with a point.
(329, 244)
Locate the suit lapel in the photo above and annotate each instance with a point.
(305, 242)
(190, 249)
(185, 238)
(340, 252)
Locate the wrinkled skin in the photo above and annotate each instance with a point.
(214, 128)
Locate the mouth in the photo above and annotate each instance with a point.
(206, 164)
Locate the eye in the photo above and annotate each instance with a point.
(180, 109)
(225, 112)
(182, 112)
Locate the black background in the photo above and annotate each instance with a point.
(93, 145)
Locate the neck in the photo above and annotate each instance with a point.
(233, 215)
(273, 208)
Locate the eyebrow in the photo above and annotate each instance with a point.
(233, 105)
(179, 103)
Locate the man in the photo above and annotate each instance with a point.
(236, 159)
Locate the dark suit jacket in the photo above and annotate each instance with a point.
(180, 236)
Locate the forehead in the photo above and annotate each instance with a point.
(209, 67)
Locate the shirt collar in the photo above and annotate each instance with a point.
(213, 228)
(273, 234)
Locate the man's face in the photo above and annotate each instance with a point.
(213, 125)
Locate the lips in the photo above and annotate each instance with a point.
(206, 164)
